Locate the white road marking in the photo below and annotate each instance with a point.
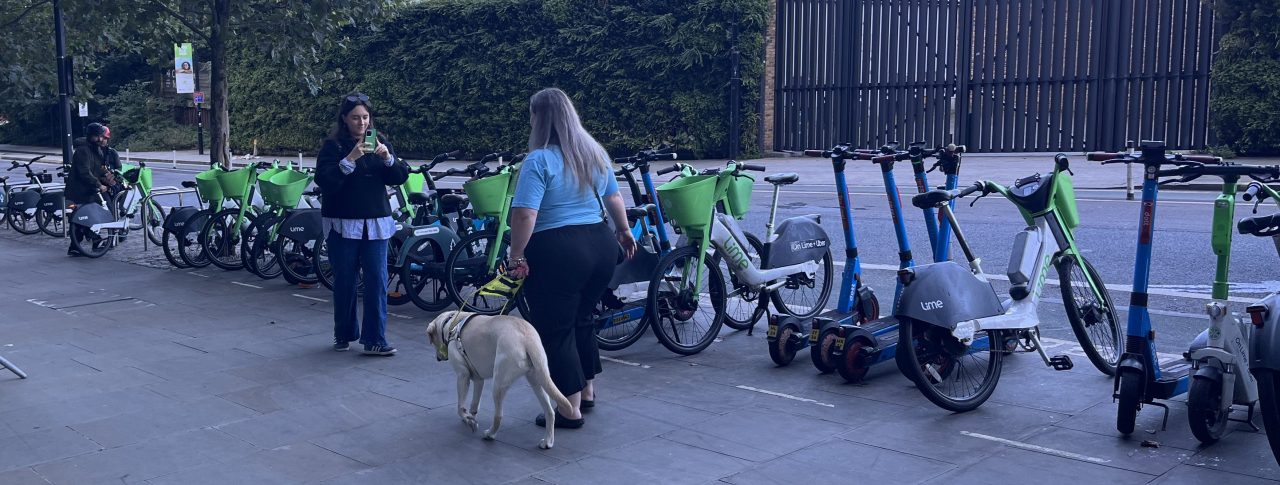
(311, 298)
(246, 284)
(1037, 448)
(197, 274)
(624, 362)
(1055, 282)
(785, 396)
(397, 315)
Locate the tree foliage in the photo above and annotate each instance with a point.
(1246, 76)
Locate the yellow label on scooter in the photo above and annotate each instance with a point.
(839, 342)
(773, 330)
(813, 336)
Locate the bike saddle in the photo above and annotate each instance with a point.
(781, 179)
(189, 184)
(635, 213)
(1261, 226)
(453, 202)
(418, 198)
(932, 198)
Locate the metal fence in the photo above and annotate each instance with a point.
(997, 75)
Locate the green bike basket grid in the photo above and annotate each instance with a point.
(415, 183)
(265, 189)
(688, 201)
(207, 183)
(286, 188)
(488, 196)
(235, 183)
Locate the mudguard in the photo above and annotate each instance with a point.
(89, 214)
(800, 239)
(945, 294)
(23, 200)
(1210, 370)
(52, 201)
(440, 237)
(635, 270)
(302, 225)
(176, 221)
(1264, 343)
(196, 222)
(799, 338)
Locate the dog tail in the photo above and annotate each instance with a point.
(538, 357)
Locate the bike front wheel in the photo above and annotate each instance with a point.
(467, 269)
(220, 239)
(952, 375)
(1093, 319)
(688, 309)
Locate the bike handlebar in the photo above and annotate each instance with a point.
(1252, 191)
(754, 168)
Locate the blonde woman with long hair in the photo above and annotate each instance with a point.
(561, 243)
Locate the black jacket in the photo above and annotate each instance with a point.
(363, 193)
(88, 168)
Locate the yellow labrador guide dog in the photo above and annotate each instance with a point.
(501, 348)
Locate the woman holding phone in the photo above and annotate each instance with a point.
(353, 170)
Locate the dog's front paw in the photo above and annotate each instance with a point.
(490, 434)
(470, 420)
(544, 445)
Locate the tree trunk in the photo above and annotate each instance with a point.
(219, 115)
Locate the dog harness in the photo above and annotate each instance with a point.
(455, 334)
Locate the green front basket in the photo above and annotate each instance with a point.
(415, 183)
(688, 201)
(265, 189)
(488, 195)
(287, 188)
(235, 184)
(207, 183)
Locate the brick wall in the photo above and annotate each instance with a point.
(770, 68)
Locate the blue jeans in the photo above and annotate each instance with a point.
(349, 257)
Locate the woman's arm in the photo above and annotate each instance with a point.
(618, 213)
(329, 175)
(396, 173)
(522, 221)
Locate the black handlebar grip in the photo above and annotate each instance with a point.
(954, 148)
(815, 153)
(754, 168)
(970, 189)
(668, 170)
(454, 154)
(1252, 191)
(666, 156)
(1103, 156)
(1202, 159)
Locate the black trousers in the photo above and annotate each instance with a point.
(569, 268)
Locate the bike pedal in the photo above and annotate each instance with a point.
(1061, 362)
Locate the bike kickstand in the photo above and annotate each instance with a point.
(1248, 419)
(22, 375)
(1164, 423)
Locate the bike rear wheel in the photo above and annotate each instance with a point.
(24, 222)
(52, 223)
(188, 242)
(742, 303)
(1094, 322)
(951, 375)
(297, 259)
(803, 296)
(153, 221)
(423, 274)
(169, 242)
(256, 249)
(688, 311)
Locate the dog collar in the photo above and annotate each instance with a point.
(450, 334)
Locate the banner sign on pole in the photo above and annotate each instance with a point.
(84, 110)
(184, 75)
(198, 97)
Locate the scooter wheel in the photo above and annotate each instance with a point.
(780, 349)
(1129, 396)
(853, 364)
(820, 353)
(1205, 410)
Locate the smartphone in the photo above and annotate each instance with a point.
(371, 140)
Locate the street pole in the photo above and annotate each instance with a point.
(735, 90)
(195, 66)
(64, 82)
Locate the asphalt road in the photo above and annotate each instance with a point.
(1181, 276)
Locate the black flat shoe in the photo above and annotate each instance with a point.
(587, 404)
(561, 421)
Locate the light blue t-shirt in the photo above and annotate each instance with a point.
(545, 185)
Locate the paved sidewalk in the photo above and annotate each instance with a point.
(1001, 167)
(148, 375)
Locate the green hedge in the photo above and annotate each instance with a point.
(1246, 76)
(458, 74)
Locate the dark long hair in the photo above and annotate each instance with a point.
(345, 105)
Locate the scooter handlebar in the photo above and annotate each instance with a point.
(817, 153)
